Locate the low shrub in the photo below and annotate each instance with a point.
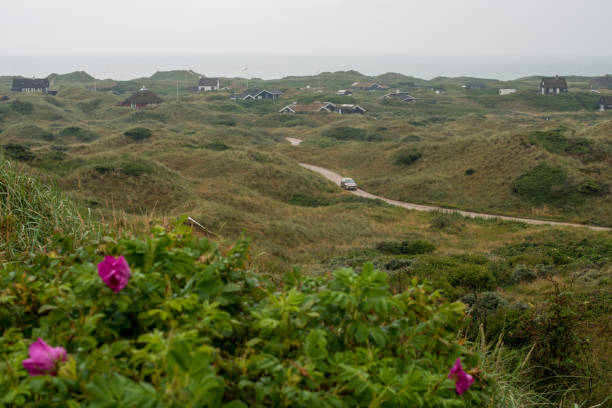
(136, 168)
(406, 157)
(445, 221)
(308, 200)
(191, 325)
(22, 107)
(523, 273)
(470, 172)
(82, 135)
(592, 187)
(473, 277)
(346, 133)
(223, 121)
(217, 146)
(89, 106)
(544, 184)
(406, 247)
(138, 134)
(487, 303)
(18, 152)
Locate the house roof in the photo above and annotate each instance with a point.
(400, 95)
(208, 82)
(364, 84)
(554, 82)
(21, 83)
(143, 97)
(350, 106)
(253, 92)
(606, 100)
(310, 107)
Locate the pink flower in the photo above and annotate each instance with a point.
(115, 272)
(462, 379)
(44, 359)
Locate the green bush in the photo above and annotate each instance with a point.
(136, 168)
(523, 273)
(487, 303)
(82, 135)
(470, 172)
(18, 152)
(22, 107)
(406, 247)
(223, 121)
(592, 187)
(217, 146)
(138, 134)
(346, 133)
(543, 184)
(197, 327)
(406, 157)
(474, 277)
(89, 106)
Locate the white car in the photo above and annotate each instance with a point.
(348, 184)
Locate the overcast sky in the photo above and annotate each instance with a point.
(441, 27)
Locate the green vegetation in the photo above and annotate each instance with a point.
(228, 166)
(196, 327)
(138, 134)
(406, 157)
(543, 184)
(32, 213)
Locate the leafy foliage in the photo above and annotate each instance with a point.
(196, 327)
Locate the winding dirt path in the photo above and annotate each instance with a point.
(335, 177)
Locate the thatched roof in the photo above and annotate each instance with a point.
(142, 97)
(554, 82)
(27, 83)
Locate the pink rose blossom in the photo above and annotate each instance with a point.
(44, 359)
(115, 272)
(462, 379)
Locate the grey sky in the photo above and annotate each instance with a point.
(455, 27)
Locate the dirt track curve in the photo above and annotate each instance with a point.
(335, 177)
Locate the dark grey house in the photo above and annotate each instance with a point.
(256, 94)
(314, 107)
(605, 103)
(474, 85)
(553, 85)
(403, 96)
(367, 86)
(208, 84)
(30, 85)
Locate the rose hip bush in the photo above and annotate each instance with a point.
(195, 326)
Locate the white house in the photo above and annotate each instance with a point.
(507, 91)
(209, 84)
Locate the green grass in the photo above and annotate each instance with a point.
(227, 165)
(32, 213)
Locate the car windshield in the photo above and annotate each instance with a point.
(348, 180)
